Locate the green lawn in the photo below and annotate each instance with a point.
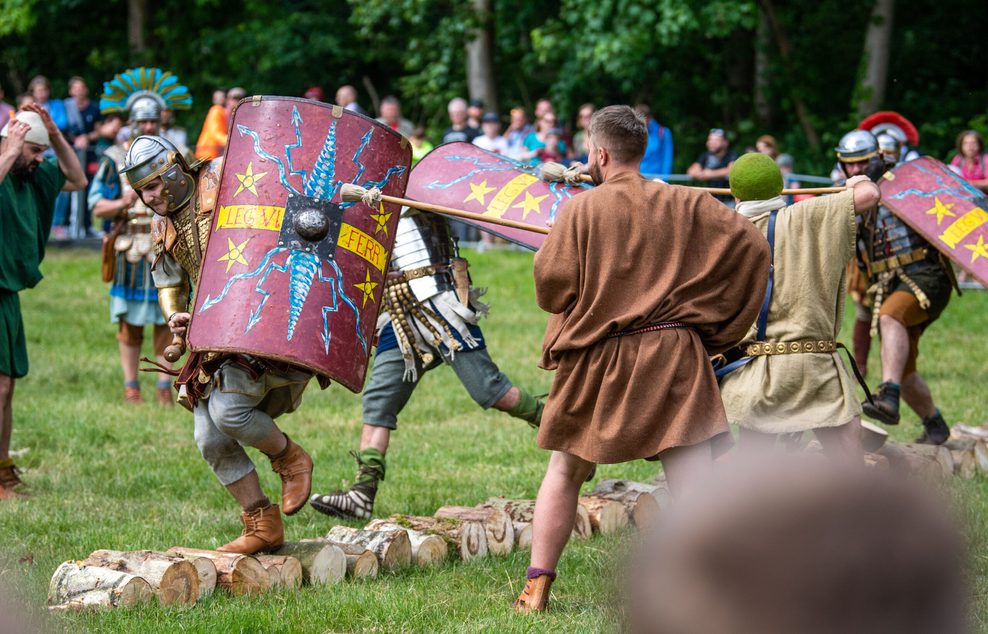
(105, 475)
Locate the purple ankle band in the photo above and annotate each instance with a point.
(538, 572)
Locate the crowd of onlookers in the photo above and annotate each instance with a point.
(545, 137)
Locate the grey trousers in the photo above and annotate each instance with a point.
(386, 393)
(239, 412)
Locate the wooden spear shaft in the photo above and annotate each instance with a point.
(352, 193)
(555, 174)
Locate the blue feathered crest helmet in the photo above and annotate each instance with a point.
(142, 93)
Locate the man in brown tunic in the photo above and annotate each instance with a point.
(644, 281)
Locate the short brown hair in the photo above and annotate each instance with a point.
(977, 137)
(620, 130)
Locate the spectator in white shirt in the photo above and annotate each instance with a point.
(491, 140)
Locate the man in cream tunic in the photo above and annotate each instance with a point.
(793, 379)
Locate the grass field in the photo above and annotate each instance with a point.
(105, 475)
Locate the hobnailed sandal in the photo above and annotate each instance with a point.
(535, 596)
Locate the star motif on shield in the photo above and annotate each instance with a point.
(381, 219)
(978, 250)
(235, 254)
(248, 180)
(478, 192)
(530, 204)
(367, 287)
(941, 210)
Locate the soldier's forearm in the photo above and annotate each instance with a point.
(174, 299)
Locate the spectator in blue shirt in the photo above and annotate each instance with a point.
(658, 152)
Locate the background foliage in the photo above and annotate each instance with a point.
(693, 62)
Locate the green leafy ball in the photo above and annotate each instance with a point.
(755, 176)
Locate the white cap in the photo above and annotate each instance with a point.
(37, 134)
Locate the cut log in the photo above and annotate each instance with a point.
(237, 574)
(392, 548)
(284, 571)
(606, 516)
(522, 511)
(932, 462)
(523, 535)
(322, 562)
(637, 498)
(467, 539)
(965, 463)
(360, 562)
(206, 571)
(427, 550)
(174, 580)
(981, 455)
(76, 586)
(497, 525)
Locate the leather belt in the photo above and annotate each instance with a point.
(653, 327)
(422, 271)
(896, 261)
(763, 348)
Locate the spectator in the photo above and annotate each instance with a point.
(459, 129)
(785, 163)
(714, 165)
(346, 96)
(28, 186)
(475, 112)
(178, 136)
(555, 149)
(491, 140)
(81, 114)
(658, 152)
(542, 106)
(391, 116)
(971, 162)
(315, 93)
(518, 130)
(40, 91)
(535, 142)
(23, 100)
(420, 147)
(766, 145)
(579, 151)
(212, 138)
(6, 110)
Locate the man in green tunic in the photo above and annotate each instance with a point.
(28, 186)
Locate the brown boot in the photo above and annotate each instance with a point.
(263, 530)
(132, 396)
(535, 596)
(295, 468)
(164, 397)
(9, 475)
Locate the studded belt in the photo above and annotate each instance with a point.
(896, 261)
(422, 271)
(763, 348)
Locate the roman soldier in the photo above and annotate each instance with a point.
(234, 398)
(910, 287)
(429, 317)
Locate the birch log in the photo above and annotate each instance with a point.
(497, 525)
(521, 512)
(284, 571)
(606, 516)
(75, 586)
(523, 535)
(637, 497)
(322, 563)
(392, 548)
(174, 580)
(427, 550)
(235, 573)
(467, 539)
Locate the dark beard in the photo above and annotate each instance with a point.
(595, 174)
(23, 170)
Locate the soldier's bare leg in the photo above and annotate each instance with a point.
(895, 348)
(917, 395)
(509, 400)
(555, 507)
(686, 466)
(375, 437)
(247, 492)
(842, 444)
(6, 414)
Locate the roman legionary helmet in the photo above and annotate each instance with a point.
(142, 93)
(889, 147)
(151, 157)
(856, 146)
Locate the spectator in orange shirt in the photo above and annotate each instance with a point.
(213, 138)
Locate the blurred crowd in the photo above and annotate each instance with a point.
(542, 136)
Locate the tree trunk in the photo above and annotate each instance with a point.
(427, 549)
(468, 539)
(764, 106)
(137, 15)
(785, 54)
(480, 57)
(392, 548)
(322, 563)
(284, 571)
(606, 516)
(79, 587)
(878, 41)
(497, 525)
(237, 574)
(174, 580)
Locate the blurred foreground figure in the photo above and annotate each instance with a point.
(643, 281)
(799, 547)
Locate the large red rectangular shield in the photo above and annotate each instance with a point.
(463, 176)
(290, 272)
(944, 208)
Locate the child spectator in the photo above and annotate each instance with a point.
(491, 140)
(971, 162)
(420, 147)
